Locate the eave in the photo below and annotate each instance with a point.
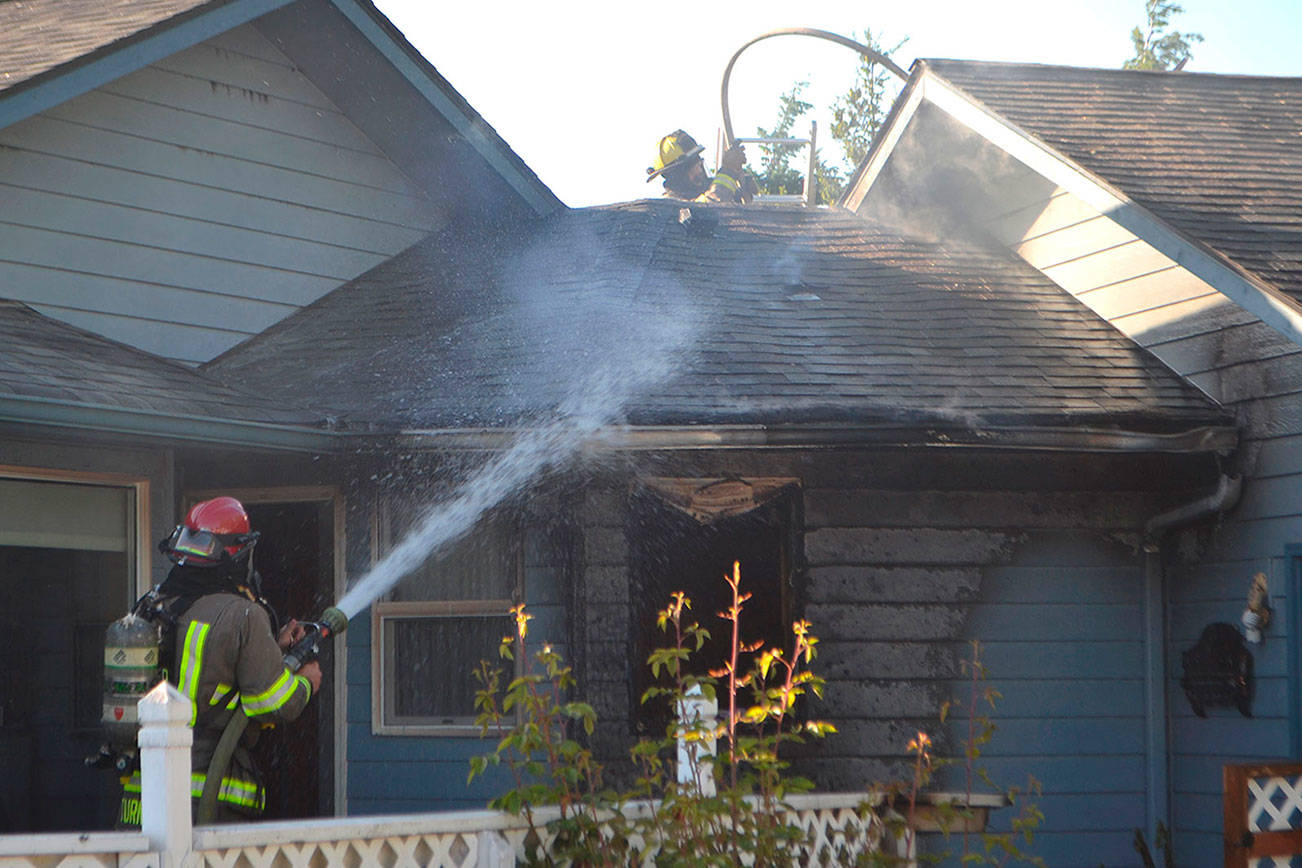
(157, 425)
(1218, 439)
(126, 56)
(1199, 275)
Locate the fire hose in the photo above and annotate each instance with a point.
(870, 53)
(303, 651)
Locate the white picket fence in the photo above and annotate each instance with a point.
(453, 839)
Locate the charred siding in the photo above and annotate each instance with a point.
(1033, 556)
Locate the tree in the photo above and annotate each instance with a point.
(777, 176)
(1155, 46)
(856, 116)
(859, 113)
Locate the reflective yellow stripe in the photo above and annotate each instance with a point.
(307, 685)
(726, 181)
(273, 697)
(224, 694)
(234, 791)
(196, 637)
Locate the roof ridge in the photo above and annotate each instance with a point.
(1184, 74)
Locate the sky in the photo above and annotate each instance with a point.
(583, 91)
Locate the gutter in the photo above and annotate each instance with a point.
(1222, 499)
(102, 418)
(1220, 439)
(289, 436)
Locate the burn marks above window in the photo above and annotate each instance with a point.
(685, 534)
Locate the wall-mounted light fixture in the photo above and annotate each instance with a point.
(1257, 616)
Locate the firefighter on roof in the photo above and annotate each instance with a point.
(678, 160)
(227, 657)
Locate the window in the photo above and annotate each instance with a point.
(438, 623)
(685, 535)
(68, 567)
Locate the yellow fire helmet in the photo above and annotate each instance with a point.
(675, 149)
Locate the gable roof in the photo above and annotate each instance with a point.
(53, 50)
(54, 373)
(1219, 157)
(805, 318)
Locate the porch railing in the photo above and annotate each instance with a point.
(837, 826)
(1262, 804)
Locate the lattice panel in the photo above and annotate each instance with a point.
(451, 850)
(838, 836)
(1277, 801)
(1277, 862)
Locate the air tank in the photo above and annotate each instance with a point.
(131, 668)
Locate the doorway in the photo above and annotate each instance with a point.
(298, 558)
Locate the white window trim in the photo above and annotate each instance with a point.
(382, 610)
(391, 611)
(142, 549)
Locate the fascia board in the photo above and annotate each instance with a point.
(155, 424)
(542, 200)
(884, 144)
(124, 60)
(1250, 293)
(1219, 439)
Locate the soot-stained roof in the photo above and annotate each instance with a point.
(37, 36)
(758, 315)
(55, 363)
(1219, 157)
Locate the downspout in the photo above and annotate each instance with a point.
(1158, 775)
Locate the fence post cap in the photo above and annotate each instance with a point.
(164, 704)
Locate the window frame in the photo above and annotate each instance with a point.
(385, 611)
(139, 548)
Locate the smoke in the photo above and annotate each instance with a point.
(597, 343)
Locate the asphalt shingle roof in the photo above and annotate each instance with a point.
(1219, 157)
(48, 360)
(799, 316)
(37, 36)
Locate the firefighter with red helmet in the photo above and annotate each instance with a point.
(678, 161)
(228, 656)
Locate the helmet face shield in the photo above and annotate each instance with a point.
(197, 544)
(205, 548)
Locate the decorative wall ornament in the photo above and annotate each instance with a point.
(1218, 671)
(1256, 617)
(710, 499)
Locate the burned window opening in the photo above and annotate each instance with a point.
(671, 551)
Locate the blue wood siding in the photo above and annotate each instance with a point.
(196, 202)
(1254, 371)
(1059, 614)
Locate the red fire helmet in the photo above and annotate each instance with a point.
(214, 531)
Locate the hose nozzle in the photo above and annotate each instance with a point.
(335, 619)
(309, 647)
